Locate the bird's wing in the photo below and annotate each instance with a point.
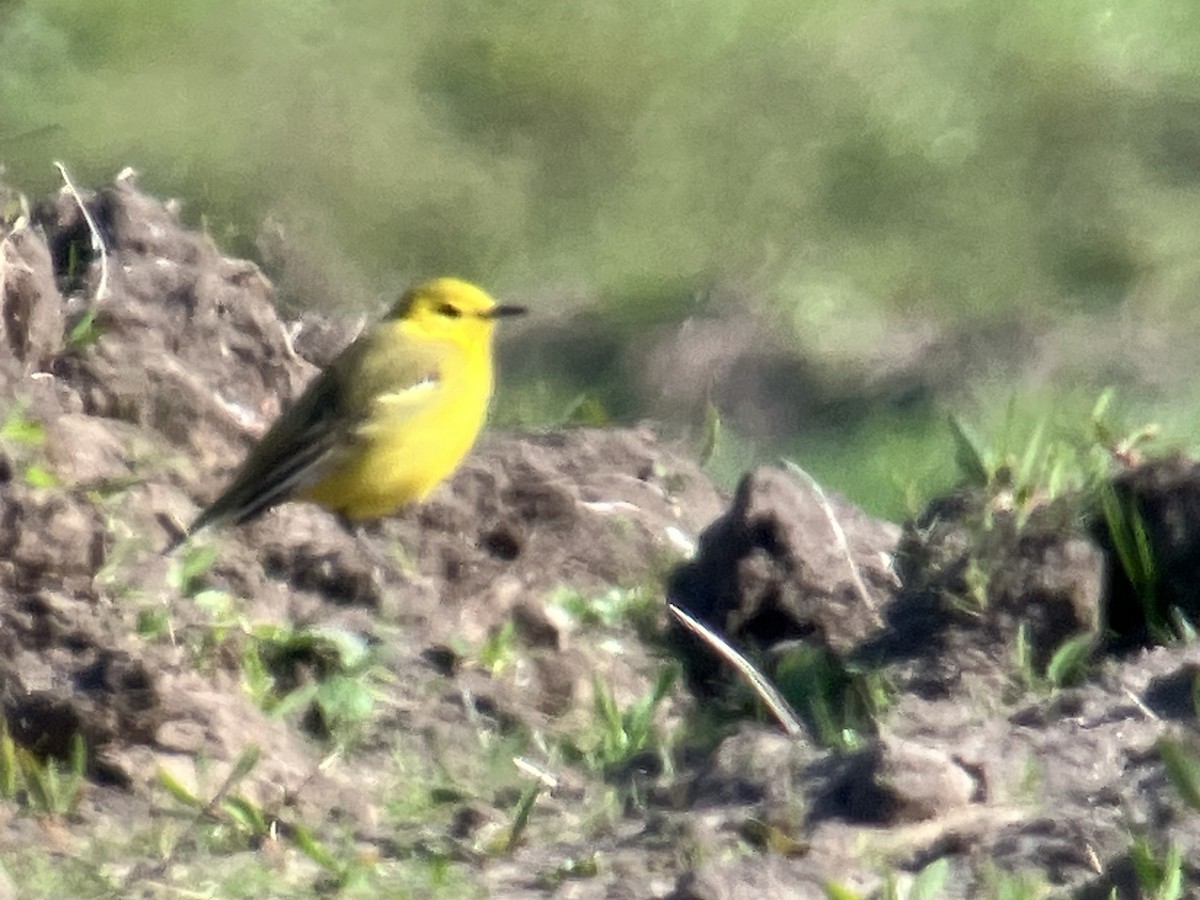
(396, 379)
(286, 457)
(338, 410)
(390, 409)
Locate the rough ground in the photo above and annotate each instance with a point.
(388, 677)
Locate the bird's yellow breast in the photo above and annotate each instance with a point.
(408, 443)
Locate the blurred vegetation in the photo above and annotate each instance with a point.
(843, 172)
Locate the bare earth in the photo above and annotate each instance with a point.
(372, 688)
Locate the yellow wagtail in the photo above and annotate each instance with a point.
(386, 421)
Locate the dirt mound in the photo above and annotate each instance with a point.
(325, 708)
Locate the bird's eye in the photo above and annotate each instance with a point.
(449, 311)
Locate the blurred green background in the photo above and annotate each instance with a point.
(830, 222)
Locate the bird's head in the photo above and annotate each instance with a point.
(450, 309)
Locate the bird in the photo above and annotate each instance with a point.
(385, 422)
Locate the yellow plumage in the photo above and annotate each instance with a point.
(386, 421)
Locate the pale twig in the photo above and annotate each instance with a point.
(766, 691)
(97, 240)
(290, 333)
(1142, 707)
(327, 763)
(533, 770)
(840, 536)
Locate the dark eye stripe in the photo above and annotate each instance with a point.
(449, 311)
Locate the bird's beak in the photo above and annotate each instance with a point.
(500, 312)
